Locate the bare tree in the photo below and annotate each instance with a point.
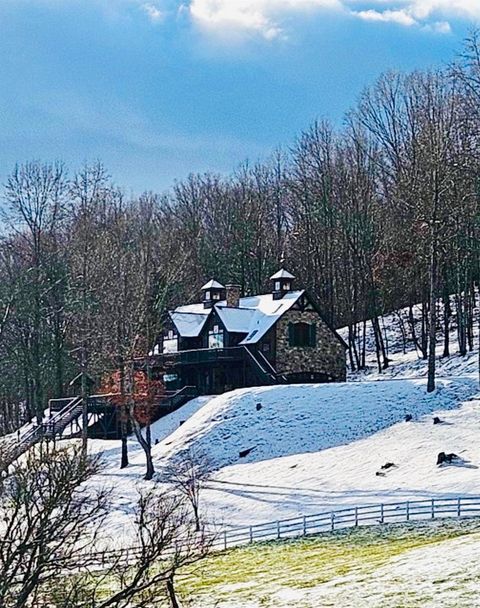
(46, 520)
(52, 546)
(188, 473)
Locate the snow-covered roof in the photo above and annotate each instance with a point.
(189, 324)
(212, 284)
(254, 316)
(236, 320)
(267, 313)
(282, 274)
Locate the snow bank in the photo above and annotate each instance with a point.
(281, 421)
(346, 475)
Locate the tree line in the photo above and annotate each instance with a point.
(380, 214)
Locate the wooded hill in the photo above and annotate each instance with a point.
(380, 214)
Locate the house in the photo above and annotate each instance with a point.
(227, 341)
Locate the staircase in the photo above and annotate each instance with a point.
(58, 423)
(50, 429)
(173, 401)
(263, 369)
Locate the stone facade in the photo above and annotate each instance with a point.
(328, 357)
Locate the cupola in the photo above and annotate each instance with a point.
(213, 292)
(282, 283)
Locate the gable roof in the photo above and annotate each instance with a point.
(236, 320)
(254, 316)
(267, 313)
(189, 324)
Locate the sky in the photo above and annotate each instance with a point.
(158, 89)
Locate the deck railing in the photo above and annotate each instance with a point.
(202, 355)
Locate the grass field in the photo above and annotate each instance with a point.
(402, 566)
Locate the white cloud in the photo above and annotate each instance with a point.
(266, 17)
(153, 12)
(468, 9)
(262, 17)
(440, 27)
(399, 16)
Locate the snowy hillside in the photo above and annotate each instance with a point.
(318, 447)
(405, 358)
(280, 421)
(313, 448)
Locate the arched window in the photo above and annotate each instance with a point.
(302, 334)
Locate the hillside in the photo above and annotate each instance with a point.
(318, 447)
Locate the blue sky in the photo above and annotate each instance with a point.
(158, 89)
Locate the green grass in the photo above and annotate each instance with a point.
(255, 572)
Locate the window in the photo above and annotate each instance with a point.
(207, 295)
(277, 285)
(216, 295)
(215, 337)
(170, 377)
(170, 342)
(302, 334)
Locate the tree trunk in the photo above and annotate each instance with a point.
(123, 418)
(172, 596)
(433, 294)
(447, 312)
(144, 443)
(84, 400)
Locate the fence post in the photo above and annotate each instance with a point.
(459, 506)
(356, 517)
(433, 508)
(278, 529)
(304, 525)
(251, 534)
(332, 521)
(408, 510)
(381, 514)
(224, 539)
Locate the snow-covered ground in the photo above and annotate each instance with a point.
(424, 571)
(444, 574)
(318, 447)
(405, 358)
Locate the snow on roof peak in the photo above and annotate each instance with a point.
(254, 316)
(212, 284)
(189, 324)
(282, 274)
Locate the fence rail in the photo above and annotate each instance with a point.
(306, 525)
(350, 517)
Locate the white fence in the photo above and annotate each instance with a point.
(294, 527)
(413, 510)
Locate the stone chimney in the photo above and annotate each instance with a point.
(233, 295)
